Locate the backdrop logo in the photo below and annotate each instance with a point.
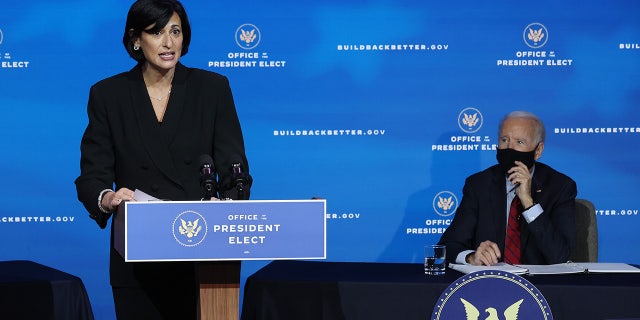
(535, 35)
(189, 228)
(248, 36)
(470, 120)
(445, 203)
(511, 296)
(6, 60)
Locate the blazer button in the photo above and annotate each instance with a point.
(188, 160)
(155, 187)
(144, 167)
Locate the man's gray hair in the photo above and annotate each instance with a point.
(540, 132)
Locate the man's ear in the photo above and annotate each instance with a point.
(539, 150)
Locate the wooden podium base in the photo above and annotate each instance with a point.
(219, 290)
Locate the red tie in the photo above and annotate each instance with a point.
(512, 243)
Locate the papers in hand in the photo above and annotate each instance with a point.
(560, 268)
(141, 196)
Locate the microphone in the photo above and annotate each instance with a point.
(208, 176)
(239, 179)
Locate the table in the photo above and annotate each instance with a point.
(29, 290)
(289, 289)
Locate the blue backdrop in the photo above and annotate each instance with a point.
(381, 107)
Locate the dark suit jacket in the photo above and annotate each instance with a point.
(124, 144)
(482, 216)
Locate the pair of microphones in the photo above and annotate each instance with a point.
(240, 179)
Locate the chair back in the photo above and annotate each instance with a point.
(586, 245)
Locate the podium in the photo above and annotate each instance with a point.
(218, 235)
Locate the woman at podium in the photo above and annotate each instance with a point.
(148, 127)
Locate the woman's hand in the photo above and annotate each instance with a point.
(112, 200)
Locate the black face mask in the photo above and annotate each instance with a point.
(508, 157)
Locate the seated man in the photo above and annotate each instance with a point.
(539, 229)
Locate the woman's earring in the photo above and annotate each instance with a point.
(136, 47)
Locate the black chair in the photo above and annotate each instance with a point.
(586, 246)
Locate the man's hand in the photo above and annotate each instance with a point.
(487, 254)
(521, 176)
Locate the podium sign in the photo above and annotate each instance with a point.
(221, 230)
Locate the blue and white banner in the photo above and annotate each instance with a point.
(221, 230)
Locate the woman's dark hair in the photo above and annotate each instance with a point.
(144, 13)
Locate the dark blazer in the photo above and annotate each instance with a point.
(482, 216)
(124, 144)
